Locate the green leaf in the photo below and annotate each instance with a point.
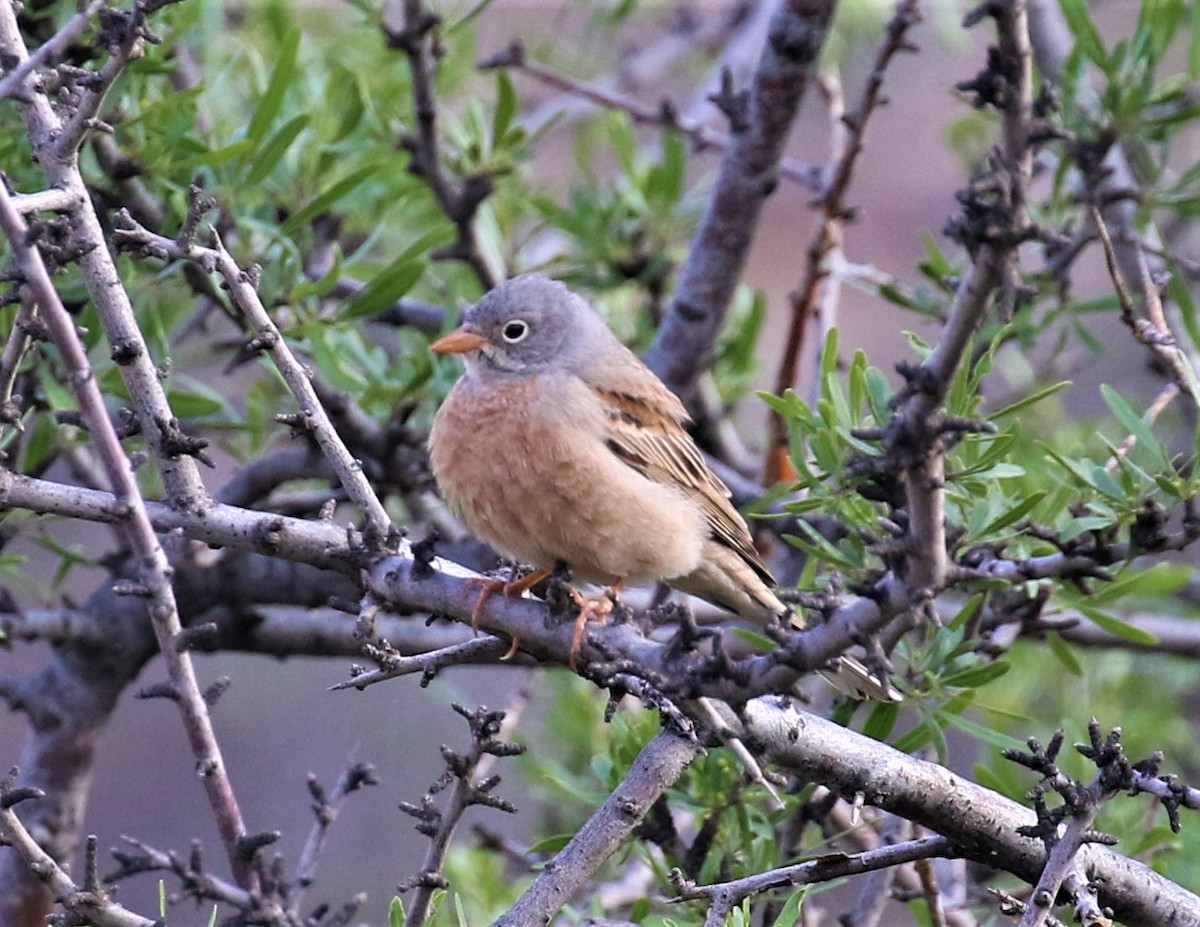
(818, 546)
(759, 642)
(194, 400)
(829, 357)
(1116, 627)
(331, 359)
(1029, 400)
(327, 197)
(881, 720)
(396, 915)
(975, 676)
(271, 100)
(551, 844)
(1194, 44)
(506, 106)
(273, 151)
(790, 912)
(215, 157)
(385, 288)
(1079, 20)
(1162, 579)
(1014, 514)
(1063, 653)
(980, 732)
(968, 609)
(1136, 426)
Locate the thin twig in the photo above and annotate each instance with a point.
(89, 906)
(460, 202)
(325, 809)
(52, 46)
(823, 869)
(818, 288)
(153, 578)
(470, 786)
(665, 116)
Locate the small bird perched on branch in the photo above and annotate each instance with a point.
(558, 445)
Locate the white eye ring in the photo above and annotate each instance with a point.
(515, 331)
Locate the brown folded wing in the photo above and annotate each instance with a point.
(646, 431)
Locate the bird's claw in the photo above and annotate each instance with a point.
(511, 589)
(597, 609)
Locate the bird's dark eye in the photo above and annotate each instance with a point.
(515, 331)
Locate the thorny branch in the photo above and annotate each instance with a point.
(90, 904)
(153, 580)
(723, 897)
(984, 825)
(1081, 804)
(661, 762)
(462, 776)
(267, 337)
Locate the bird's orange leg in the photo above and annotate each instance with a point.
(489, 587)
(598, 609)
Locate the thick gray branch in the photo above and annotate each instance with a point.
(981, 823)
(655, 770)
(747, 177)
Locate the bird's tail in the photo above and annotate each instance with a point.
(850, 676)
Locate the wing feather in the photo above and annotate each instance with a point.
(645, 429)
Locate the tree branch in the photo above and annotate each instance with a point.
(661, 762)
(981, 823)
(683, 346)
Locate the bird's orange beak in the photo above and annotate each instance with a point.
(459, 341)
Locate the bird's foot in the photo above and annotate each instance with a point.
(597, 609)
(511, 588)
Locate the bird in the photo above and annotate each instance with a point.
(558, 445)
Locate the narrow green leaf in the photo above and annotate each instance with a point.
(214, 157)
(817, 546)
(550, 844)
(790, 912)
(506, 106)
(1194, 44)
(1116, 627)
(1029, 400)
(385, 288)
(327, 197)
(1079, 20)
(829, 357)
(276, 147)
(1063, 653)
(396, 915)
(1135, 425)
(975, 676)
(1014, 514)
(753, 639)
(881, 721)
(980, 732)
(271, 100)
(968, 609)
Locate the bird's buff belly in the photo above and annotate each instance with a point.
(542, 498)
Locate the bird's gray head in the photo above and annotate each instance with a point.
(527, 325)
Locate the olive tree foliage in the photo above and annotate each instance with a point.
(231, 232)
